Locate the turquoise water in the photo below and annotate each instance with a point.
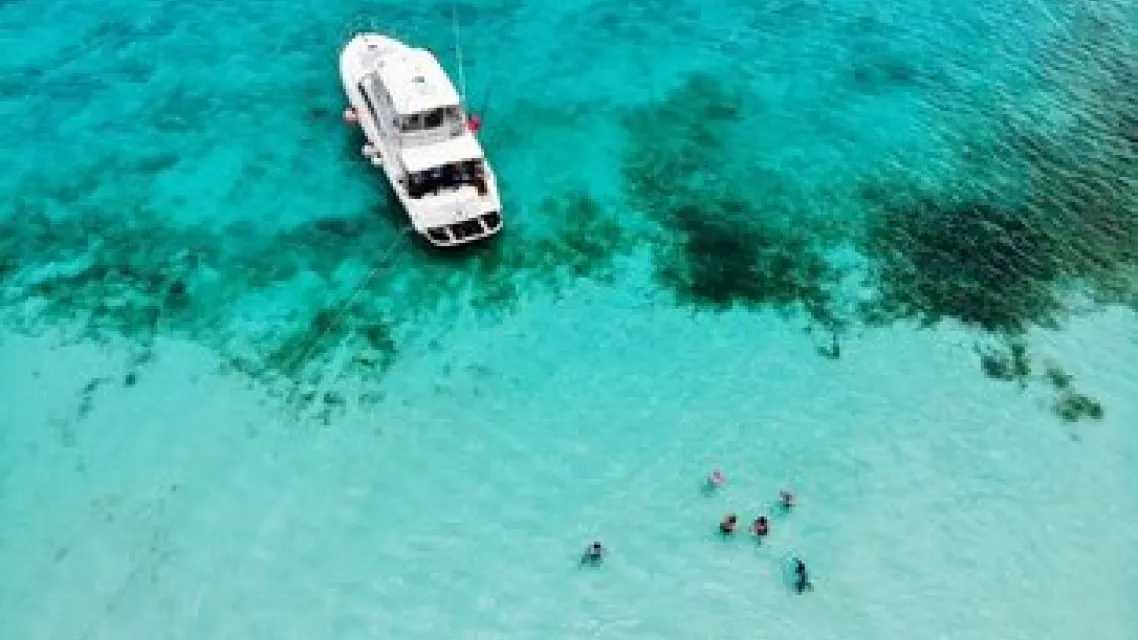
(884, 255)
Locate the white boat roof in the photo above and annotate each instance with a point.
(457, 149)
(415, 81)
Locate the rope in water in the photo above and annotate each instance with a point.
(314, 340)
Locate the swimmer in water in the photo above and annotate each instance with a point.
(761, 527)
(716, 479)
(594, 553)
(785, 500)
(801, 579)
(727, 526)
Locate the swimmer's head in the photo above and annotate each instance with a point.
(593, 553)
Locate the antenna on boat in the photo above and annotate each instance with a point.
(458, 51)
(485, 102)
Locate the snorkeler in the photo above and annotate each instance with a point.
(761, 527)
(716, 479)
(801, 579)
(594, 553)
(728, 524)
(785, 500)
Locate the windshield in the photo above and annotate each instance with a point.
(432, 119)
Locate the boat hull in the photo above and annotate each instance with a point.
(458, 217)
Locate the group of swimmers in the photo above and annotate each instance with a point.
(761, 528)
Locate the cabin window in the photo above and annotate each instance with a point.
(415, 122)
(368, 102)
(375, 94)
(427, 120)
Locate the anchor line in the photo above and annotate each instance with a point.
(345, 307)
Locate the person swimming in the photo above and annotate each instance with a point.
(761, 527)
(716, 479)
(594, 553)
(785, 500)
(801, 578)
(728, 524)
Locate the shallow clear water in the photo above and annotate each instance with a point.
(884, 255)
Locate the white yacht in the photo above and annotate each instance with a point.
(421, 136)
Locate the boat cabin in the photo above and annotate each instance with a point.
(444, 166)
(411, 96)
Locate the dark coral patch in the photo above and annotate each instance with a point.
(581, 239)
(231, 289)
(1072, 407)
(354, 339)
(1009, 363)
(725, 255)
(98, 272)
(719, 244)
(1039, 206)
(1057, 377)
(977, 262)
(1003, 261)
(1008, 360)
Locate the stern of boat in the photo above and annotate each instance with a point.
(469, 230)
(448, 222)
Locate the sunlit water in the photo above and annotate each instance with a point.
(883, 255)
